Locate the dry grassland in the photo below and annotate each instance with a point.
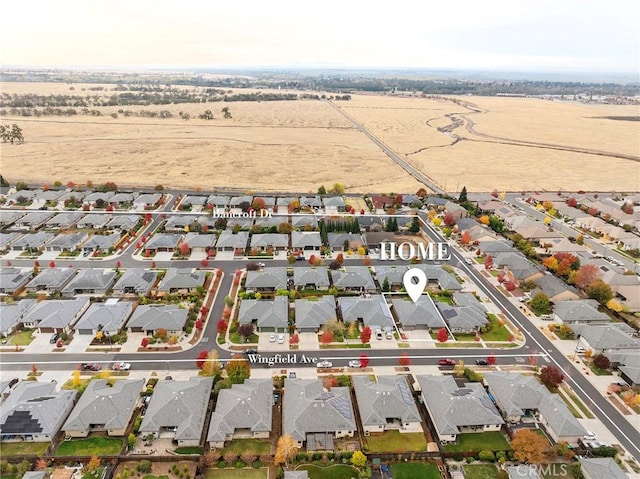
(299, 145)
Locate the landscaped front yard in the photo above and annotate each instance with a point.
(22, 338)
(481, 441)
(262, 473)
(394, 441)
(23, 448)
(93, 446)
(413, 470)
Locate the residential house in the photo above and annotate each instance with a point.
(162, 243)
(551, 246)
(151, 317)
(555, 289)
(374, 239)
(12, 314)
(267, 315)
(193, 203)
(455, 210)
(7, 218)
(35, 412)
(333, 204)
(625, 287)
(6, 239)
(371, 311)
(522, 471)
(438, 278)
(236, 203)
(105, 406)
(314, 277)
(108, 317)
(98, 198)
(94, 221)
(67, 242)
(99, 243)
(371, 223)
(270, 241)
(123, 223)
(343, 242)
(386, 403)
(242, 412)
(411, 200)
(394, 275)
(178, 223)
(304, 222)
(227, 241)
(12, 280)
(313, 313)
(522, 399)
(495, 247)
(283, 202)
(516, 265)
(147, 201)
(122, 200)
(315, 417)
(579, 311)
(135, 281)
(31, 221)
(313, 202)
(458, 409)
(266, 279)
(56, 315)
(268, 222)
(50, 280)
(71, 197)
(21, 196)
(381, 202)
(353, 278)
(627, 362)
(421, 314)
(601, 467)
(496, 207)
(96, 282)
(605, 339)
(479, 233)
(178, 409)
(63, 221)
(218, 203)
(435, 202)
(199, 243)
(590, 223)
(182, 281)
(468, 318)
(306, 241)
(244, 224)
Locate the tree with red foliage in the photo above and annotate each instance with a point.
(510, 286)
(312, 259)
(153, 264)
(501, 279)
(364, 360)
(184, 248)
(442, 335)
(593, 211)
(202, 356)
(199, 324)
(449, 220)
(491, 360)
(398, 200)
(551, 377)
(465, 238)
(404, 359)
(147, 253)
(494, 193)
(601, 361)
(52, 264)
(221, 326)
(294, 339)
(587, 275)
(627, 208)
(245, 330)
(488, 262)
(572, 202)
(204, 263)
(258, 204)
(365, 335)
(326, 338)
(361, 211)
(118, 264)
(138, 244)
(329, 382)
(340, 258)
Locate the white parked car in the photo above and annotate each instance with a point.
(355, 363)
(272, 338)
(121, 366)
(324, 364)
(590, 436)
(468, 260)
(280, 338)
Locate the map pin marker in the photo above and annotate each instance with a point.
(414, 281)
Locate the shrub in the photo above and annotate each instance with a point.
(486, 456)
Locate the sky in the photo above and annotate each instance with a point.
(524, 35)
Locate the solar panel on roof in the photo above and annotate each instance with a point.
(404, 392)
(20, 422)
(343, 407)
(462, 392)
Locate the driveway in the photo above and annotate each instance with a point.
(80, 343)
(40, 344)
(308, 342)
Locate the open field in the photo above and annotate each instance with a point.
(299, 145)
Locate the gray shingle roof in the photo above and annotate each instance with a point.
(275, 278)
(308, 408)
(267, 313)
(436, 273)
(463, 317)
(32, 240)
(581, 311)
(94, 221)
(388, 397)
(305, 239)
(51, 278)
(13, 278)
(98, 280)
(336, 240)
(264, 240)
(601, 467)
(182, 278)
(67, 241)
(422, 312)
(56, 313)
(111, 316)
(179, 404)
(124, 222)
(608, 337)
(138, 279)
(12, 313)
(35, 408)
(103, 242)
(229, 240)
(163, 240)
(316, 276)
(452, 407)
(244, 406)
(101, 403)
(372, 311)
(312, 314)
(151, 317)
(350, 277)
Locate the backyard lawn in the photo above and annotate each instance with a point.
(481, 441)
(23, 448)
(484, 471)
(93, 446)
(339, 471)
(412, 470)
(394, 441)
(239, 446)
(262, 473)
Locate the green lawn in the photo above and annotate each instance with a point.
(483, 471)
(497, 332)
(23, 338)
(150, 476)
(339, 471)
(257, 446)
(8, 476)
(585, 410)
(23, 448)
(93, 446)
(572, 409)
(95, 474)
(188, 450)
(481, 441)
(262, 473)
(413, 470)
(394, 441)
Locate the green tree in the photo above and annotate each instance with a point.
(322, 190)
(540, 304)
(463, 195)
(386, 287)
(226, 113)
(415, 225)
(131, 440)
(359, 459)
(238, 369)
(337, 189)
(600, 291)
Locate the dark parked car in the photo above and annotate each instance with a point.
(250, 351)
(53, 338)
(482, 362)
(13, 382)
(90, 367)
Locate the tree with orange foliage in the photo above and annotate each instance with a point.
(529, 447)
(465, 238)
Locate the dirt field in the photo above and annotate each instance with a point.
(299, 145)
